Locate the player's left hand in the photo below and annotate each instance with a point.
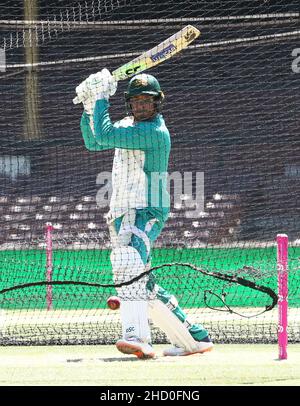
(89, 88)
(98, 85)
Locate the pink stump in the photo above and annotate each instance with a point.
(282, 267)
(49, 264)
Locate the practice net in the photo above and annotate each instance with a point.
(232, 109)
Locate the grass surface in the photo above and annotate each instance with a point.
(244, 365)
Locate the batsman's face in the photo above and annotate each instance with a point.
(143, 107)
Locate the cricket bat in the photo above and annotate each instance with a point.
(160, 53)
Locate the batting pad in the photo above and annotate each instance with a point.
(175, 330)
(134, 316)
(127, 264)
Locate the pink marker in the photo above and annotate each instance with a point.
(282, 268)
(49, 264)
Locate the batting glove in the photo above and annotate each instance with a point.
(99, 85)
(108, 86)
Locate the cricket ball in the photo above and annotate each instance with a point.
(113, 302)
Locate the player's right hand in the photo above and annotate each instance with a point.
(109, 85)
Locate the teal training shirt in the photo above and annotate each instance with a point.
(142, 149)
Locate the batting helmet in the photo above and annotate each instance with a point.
(144, 84)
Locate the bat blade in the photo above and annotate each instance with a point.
(158, 54)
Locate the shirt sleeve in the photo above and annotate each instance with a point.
(88, 136)
(142, 135)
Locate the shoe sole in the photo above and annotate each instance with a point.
(185, 354)
(201, 352)
(127, 348)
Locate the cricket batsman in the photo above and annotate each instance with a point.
(139, 208)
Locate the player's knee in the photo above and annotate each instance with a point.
(126, 259)
(166, 298)
(127, 264)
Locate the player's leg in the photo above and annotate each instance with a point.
(127, 264)
(165, 312)
(187, 338)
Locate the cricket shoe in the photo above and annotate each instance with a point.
(136, 347)
(202, 346)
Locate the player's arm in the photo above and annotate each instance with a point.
(88, 136)
(140, 136)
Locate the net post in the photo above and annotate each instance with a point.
(282, 269)
(49, 263)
